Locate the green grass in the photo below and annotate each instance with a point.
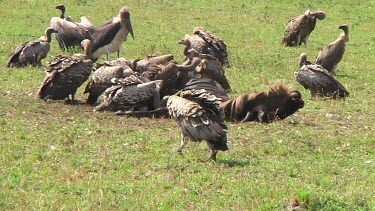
(58, 156)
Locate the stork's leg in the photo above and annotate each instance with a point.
(107, 57)
(184, 141)
(248, 116)
(118, 53)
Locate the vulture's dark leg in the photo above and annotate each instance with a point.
(248, 116)
(313, 93)
(107, 57)
(213, 151)
(184, 141)
(298, 40)
(213, 155)
(118, 53)
(260, 116)
(35, 60)
(72, 100)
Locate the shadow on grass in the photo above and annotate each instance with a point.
(341, 75)
(233, 163)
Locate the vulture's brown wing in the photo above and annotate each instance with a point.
(331, 55)
(196, 122)
(298, 26)
(209, 85)
(214, 43)
(316, 78)
(130, 80)
(14, 58)
(101, 80)
(215, 71)
(68, 33)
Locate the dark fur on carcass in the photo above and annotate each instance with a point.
(277, 103)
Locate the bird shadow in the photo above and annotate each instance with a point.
(341, 75)
(234, 163)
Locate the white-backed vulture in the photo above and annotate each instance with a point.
(173, 75)
(209, 85)
(300, 27)
(101, 79)
(207, 43)
(65, 74)
(109, 37)
(70, 33)
(319, 81)
(332, 54)
(32, 52)
(198, 113)
(131, 93)
(143, 64)
(62, 8)
(213, 69)
(279, 102)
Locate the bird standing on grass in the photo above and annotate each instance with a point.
(109, 37)
(332, 54)
(207, 43)
(70, 33)
(65, 74)
(199, 115)
(318, 80)
(32, 52)
(300, 27)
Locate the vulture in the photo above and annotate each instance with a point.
(332, 54)
(70, 33)
(198, 113)
(279, 102)
(101, 79)
(212, 86)
(207, 43)
(213, 69)
(209, 85)
(131, 93)
(299, 28)
(32, 52)
(318, 80)
(65, 74)
(143, 64)
(62, 8)
(109, 37)
(173, 75)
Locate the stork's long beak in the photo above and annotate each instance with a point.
(130, 28)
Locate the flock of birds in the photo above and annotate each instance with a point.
(195, 92)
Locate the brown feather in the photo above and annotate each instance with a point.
(318, 80)
(277, 103)
(65, 74)
(198, 114)
(300, 27)
(332, 54)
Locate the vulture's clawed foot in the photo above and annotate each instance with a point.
(71, 102)
(121, 112)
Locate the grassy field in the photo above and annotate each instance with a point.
(57, 156)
